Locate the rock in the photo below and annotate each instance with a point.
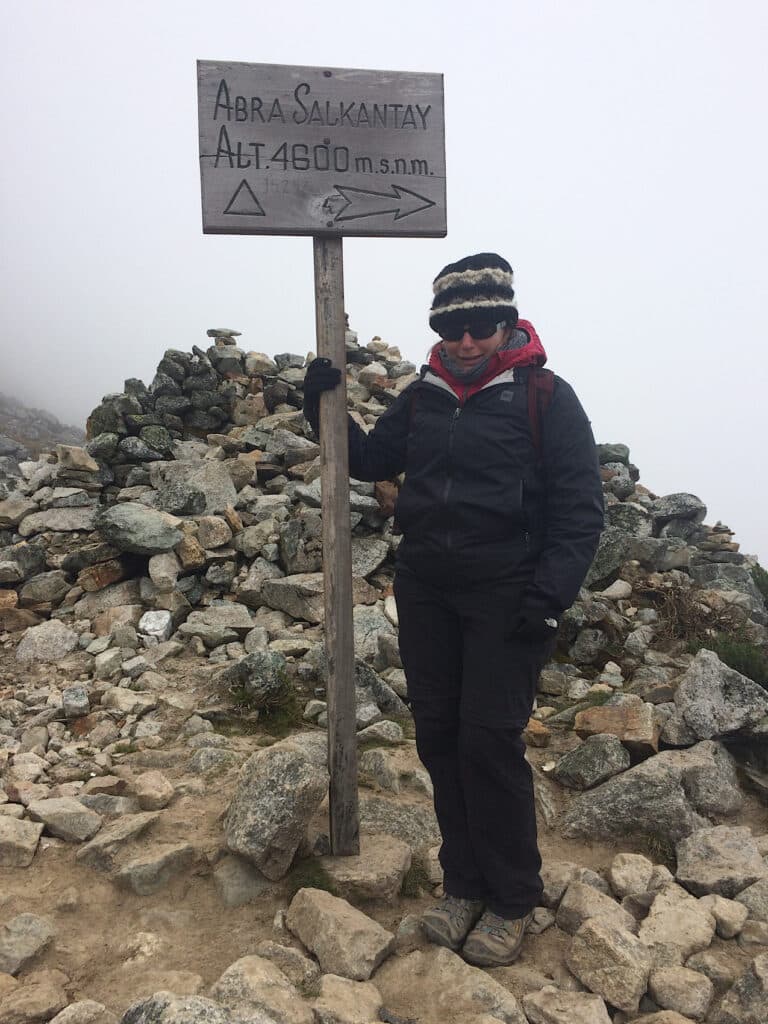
(369, 623)
(45, 588)
(682, 990)
(128, 702)
(238, 882)
(556, 877)
(85, 1011)
(155, 868)
(300, 595)
(581, 903)
(100, 852)
(139, 529)
(153, 791)
(38, 998)
(721, 969)
(48, 642)
(207, 480)
(453, 990)
(598, 758)
(747, 1001)
(346, 1002)
(753, 937)
(634, 724)
(611, 962)
(75, 701)
(676, 927)
(18, 842)
(677, 506)
(59, 520)
(655, 797)
(714, 700)
(551, 1006)
(253, 985)
(376, 873)
(167, 1008)
(729, 915)
(343, 939)
(755, 899)
(278, 791)
(164, 570)
(719, 860)
(22, 939)
(416, 825)
(66, 818)
(630, 873)
(261, 676)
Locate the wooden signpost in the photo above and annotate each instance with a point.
(326, 152)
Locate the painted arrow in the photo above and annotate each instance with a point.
(361, 202)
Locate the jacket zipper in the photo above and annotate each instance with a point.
(449, 473)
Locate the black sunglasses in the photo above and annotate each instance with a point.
(479, 331)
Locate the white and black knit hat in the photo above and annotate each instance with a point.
(478, 287)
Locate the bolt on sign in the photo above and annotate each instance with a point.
(321, 151)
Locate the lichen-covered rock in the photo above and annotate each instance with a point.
(49, 642)
(719, 860)
(278, 791)
(139, 529)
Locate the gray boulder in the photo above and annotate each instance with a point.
(48, 642)
(167, 1008)
(262, 677)
(747, 1001)
(597, 759)
(205, 477)
(278, 791)
(134, 527)
(655, 797)
(712, 700)
(719, 860)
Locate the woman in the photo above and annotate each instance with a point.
(501, 510)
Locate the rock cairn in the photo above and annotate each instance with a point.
(161, 622)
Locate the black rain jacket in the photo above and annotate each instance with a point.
(478, 505)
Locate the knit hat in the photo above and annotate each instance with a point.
(478, 287)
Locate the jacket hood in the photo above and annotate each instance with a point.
(532, 354)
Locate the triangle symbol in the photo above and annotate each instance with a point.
(244, 203)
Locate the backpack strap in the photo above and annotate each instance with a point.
(541, 386)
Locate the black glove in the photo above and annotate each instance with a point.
(320, 376)
(533, 626)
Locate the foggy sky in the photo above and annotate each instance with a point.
(614, 152)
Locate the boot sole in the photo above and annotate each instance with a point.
(438, 938)
(478, 960)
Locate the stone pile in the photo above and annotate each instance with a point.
(161, 609)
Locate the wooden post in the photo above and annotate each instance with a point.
(337, 552)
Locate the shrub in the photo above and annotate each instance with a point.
(735, 651)
(760, 576)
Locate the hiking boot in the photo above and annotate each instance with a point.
(451, 920)
(495, 941)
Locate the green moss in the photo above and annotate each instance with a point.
(735, 651)
(309, 874)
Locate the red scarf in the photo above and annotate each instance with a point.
(532, 354)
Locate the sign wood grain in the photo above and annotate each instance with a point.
(321, 151)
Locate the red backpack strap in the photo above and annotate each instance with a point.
(541, 386)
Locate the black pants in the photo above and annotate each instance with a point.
(471, 686)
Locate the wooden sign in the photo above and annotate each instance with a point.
(321, 151)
